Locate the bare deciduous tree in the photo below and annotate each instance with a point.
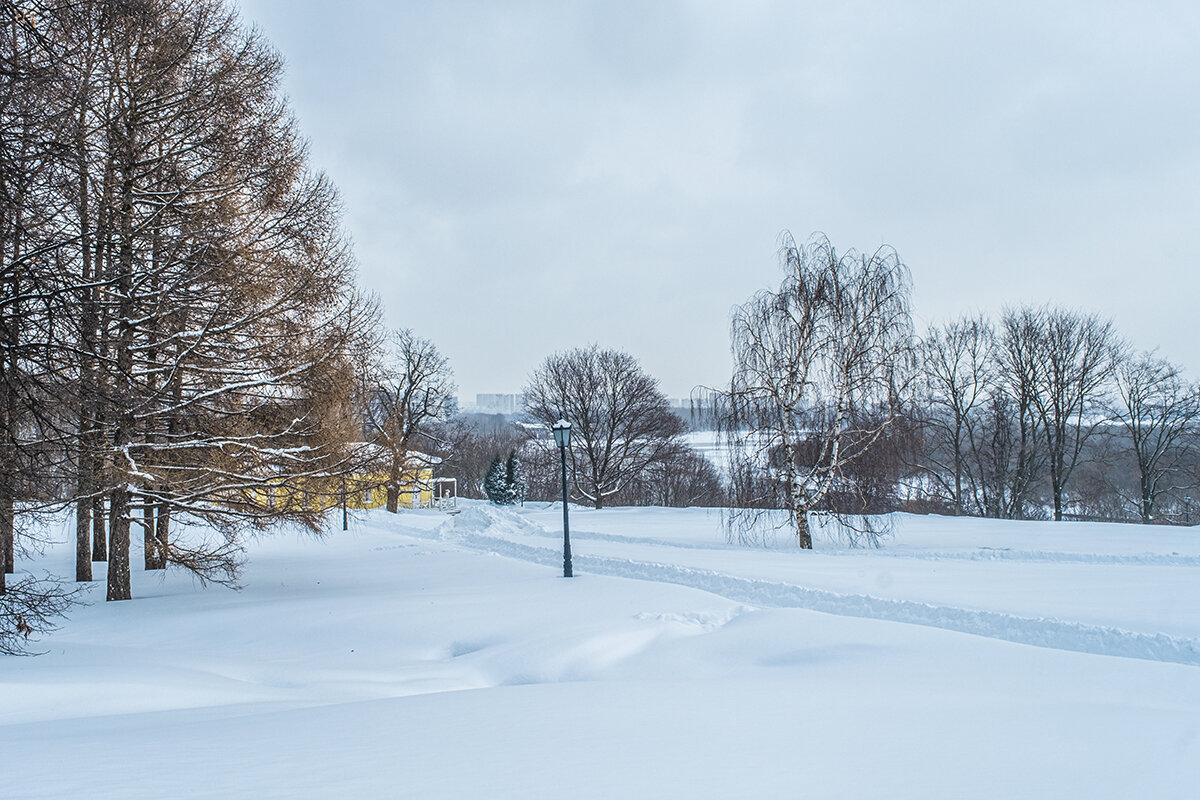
(1058, 363)
(1157, 409)
(31, 607)
(406, 395)
(958, 377)
(682, 478)
(1015, 415)
(821, 367)
(620, 420)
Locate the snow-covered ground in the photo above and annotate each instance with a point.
(426, 656)
(709, 445)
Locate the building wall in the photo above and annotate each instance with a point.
(499, 403)
(362, 491)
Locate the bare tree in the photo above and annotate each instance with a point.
(958, 377)
(1059, 363)
(682, 478)
(32, 307)
(31, 607)
(1018, 454)
(620, 420)
(470, 449)
(1157, 409)
(406, 396)
(821, 367)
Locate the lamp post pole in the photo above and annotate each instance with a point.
(562, 438)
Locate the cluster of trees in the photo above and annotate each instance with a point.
(627, 445)
(505, 482)
(835, 405)
(181, 339)
(1051, 413)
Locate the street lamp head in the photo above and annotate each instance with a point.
(562, 433)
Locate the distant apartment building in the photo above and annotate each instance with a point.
(703, 402)
(698, 413)
(500, 403)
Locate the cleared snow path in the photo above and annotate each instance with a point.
(469, 530)
(980, 554)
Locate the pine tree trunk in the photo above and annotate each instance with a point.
(9, 375)
(83, 538)
(119, 587)
(85, 486)
(118, 557)
(162, 533)
(8, 477)
(99, 483)
(149, 540)
(87, 478)
(99, 534)
(7, 511)
(8, 518)
(7, 533)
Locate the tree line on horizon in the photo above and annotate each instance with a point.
(838, 407)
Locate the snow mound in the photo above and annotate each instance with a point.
(477, 518)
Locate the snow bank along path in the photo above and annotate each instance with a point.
(485, 529)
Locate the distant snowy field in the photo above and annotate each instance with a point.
(420, 656)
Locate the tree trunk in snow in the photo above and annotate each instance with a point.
(162, 533)
(150, 554)
(99, 534)
(6, 538)
(803, 532)
(83, 538)
(7, 526)
(118, 557)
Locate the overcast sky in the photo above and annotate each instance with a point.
(521, 178)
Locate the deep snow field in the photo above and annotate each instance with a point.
(426, 656)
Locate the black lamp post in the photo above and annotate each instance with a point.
(562, 438)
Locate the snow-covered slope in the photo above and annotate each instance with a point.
(426, 656)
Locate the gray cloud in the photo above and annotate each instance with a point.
(525, 178)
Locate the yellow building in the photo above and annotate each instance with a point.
(418, 488)
(370, 491)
